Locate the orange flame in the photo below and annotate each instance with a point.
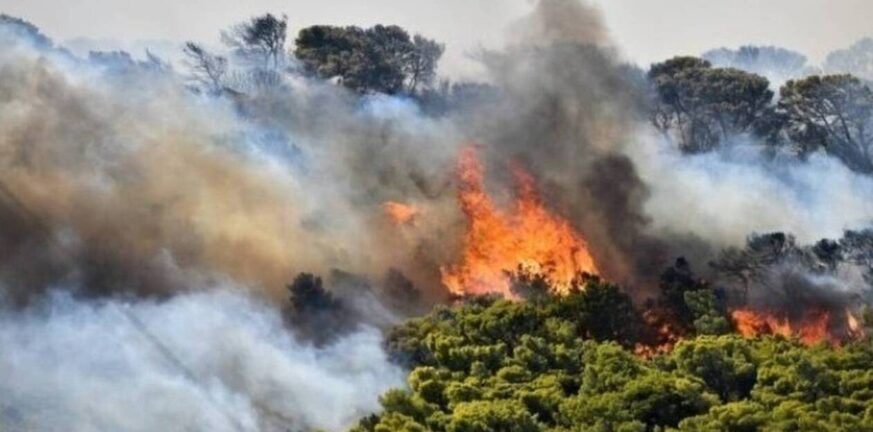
(814, 327)
(399, 213)
(856, 330)
(496, 243)
(664, 334)
(750, 323)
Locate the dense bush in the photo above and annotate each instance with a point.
(567, 364)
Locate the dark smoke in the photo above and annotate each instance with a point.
(774, 273)
(570, 109)
(120, 197)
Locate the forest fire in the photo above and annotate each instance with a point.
(497, 242)
(400, 213)
(662, 333)
(815, 326)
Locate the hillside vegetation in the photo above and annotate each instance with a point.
(566, 363)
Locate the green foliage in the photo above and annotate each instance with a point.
(702, 105)
(694, 305)
(692, 302)
(725, 365)
(834, 113)
(492, 415)
(382, 58)
(563, 363)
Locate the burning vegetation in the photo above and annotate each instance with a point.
(558, 362)
(497, 242)
(807, 292)
(191, 207)
(813, 327)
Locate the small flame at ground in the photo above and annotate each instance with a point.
(497, 242)
(399, 213)
(856, 330)
(664, 335)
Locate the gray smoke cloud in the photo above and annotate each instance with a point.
(125, 168)
(121, 182)
(724, 196)
(212, 360)
(561, 21)
(569, 113)
(573, 113)
(119, 185)
(799, 282)
(124, 188)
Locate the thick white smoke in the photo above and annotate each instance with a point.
(71, 365)
(722, 197)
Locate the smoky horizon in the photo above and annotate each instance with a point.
(644, 32)
(532, 216)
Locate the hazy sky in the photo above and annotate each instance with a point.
(645, 30)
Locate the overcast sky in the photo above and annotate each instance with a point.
(645, 30)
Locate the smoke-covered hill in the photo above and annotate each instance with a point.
(222, 243)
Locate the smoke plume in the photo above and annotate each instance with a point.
(128, 184)
(135, 198)
(116, 188)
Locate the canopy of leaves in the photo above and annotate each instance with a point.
(562, 363)
(700, 106)
(382, 58)
(833, 113)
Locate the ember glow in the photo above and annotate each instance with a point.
(497, 242)
(664, 334)
(855, 328)
(400, 213)
(814, 327)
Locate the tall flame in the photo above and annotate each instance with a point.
(497, 242)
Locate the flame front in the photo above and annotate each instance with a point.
(814, 327)
(496, 242)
